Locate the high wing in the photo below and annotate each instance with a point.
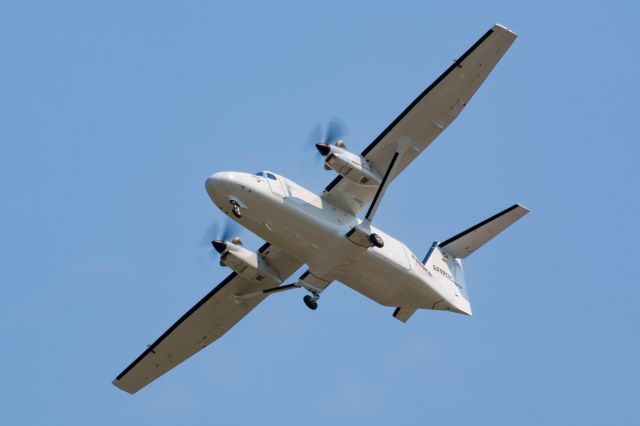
(425, 118)
(204, 323)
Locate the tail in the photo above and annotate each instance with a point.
(444, 260)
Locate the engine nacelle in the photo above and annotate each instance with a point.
(248, 264)
(352, 166)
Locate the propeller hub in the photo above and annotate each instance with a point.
(219, 245)
(323, 148)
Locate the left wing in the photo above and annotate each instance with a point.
(424, 119)
(204, 323)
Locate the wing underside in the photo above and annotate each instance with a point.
(204, 323)
(425, 118)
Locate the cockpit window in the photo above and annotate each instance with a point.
(266, 175)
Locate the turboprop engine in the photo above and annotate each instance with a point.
(349, 165)
(246, 263)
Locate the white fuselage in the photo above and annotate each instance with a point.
(313, 231)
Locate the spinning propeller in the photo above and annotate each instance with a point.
(220, 234)
(332, 134)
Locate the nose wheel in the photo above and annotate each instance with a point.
(311, 300)
(376, 240)
(236, 209)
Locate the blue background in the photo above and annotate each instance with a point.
(114, 113)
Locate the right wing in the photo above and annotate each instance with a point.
(204, 323)
(425, 118)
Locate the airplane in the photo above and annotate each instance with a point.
(324, 232)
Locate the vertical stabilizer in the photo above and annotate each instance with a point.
(448, 271)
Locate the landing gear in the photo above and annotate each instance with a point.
(236, 209)
(376, 240)
(311, 301)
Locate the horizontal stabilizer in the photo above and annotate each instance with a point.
(466, 242)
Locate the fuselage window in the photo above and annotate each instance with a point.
(270, 176)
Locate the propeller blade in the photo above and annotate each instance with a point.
(210, 234)
(314, 138)
(229, 229)
(224, 230)
(335, 131)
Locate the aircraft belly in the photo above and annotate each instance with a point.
(388, 283)
(307, 232)
(315, 235)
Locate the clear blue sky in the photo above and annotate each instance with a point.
(113, 114)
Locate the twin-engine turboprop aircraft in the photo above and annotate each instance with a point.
(325, 233)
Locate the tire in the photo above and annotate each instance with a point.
(376, 240)
(310, 302)
(236, 209)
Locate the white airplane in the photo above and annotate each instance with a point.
(325, 233)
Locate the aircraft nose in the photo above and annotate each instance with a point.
(215, 185)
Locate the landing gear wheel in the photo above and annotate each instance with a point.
(376, 240)
(311, 302)
(236, 212)
(236, 209)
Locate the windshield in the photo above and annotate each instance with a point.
(266, 175)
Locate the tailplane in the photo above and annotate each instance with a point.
(466, 242)
(444, 260)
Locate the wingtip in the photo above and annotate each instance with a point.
(117, 384)
(500, 27)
